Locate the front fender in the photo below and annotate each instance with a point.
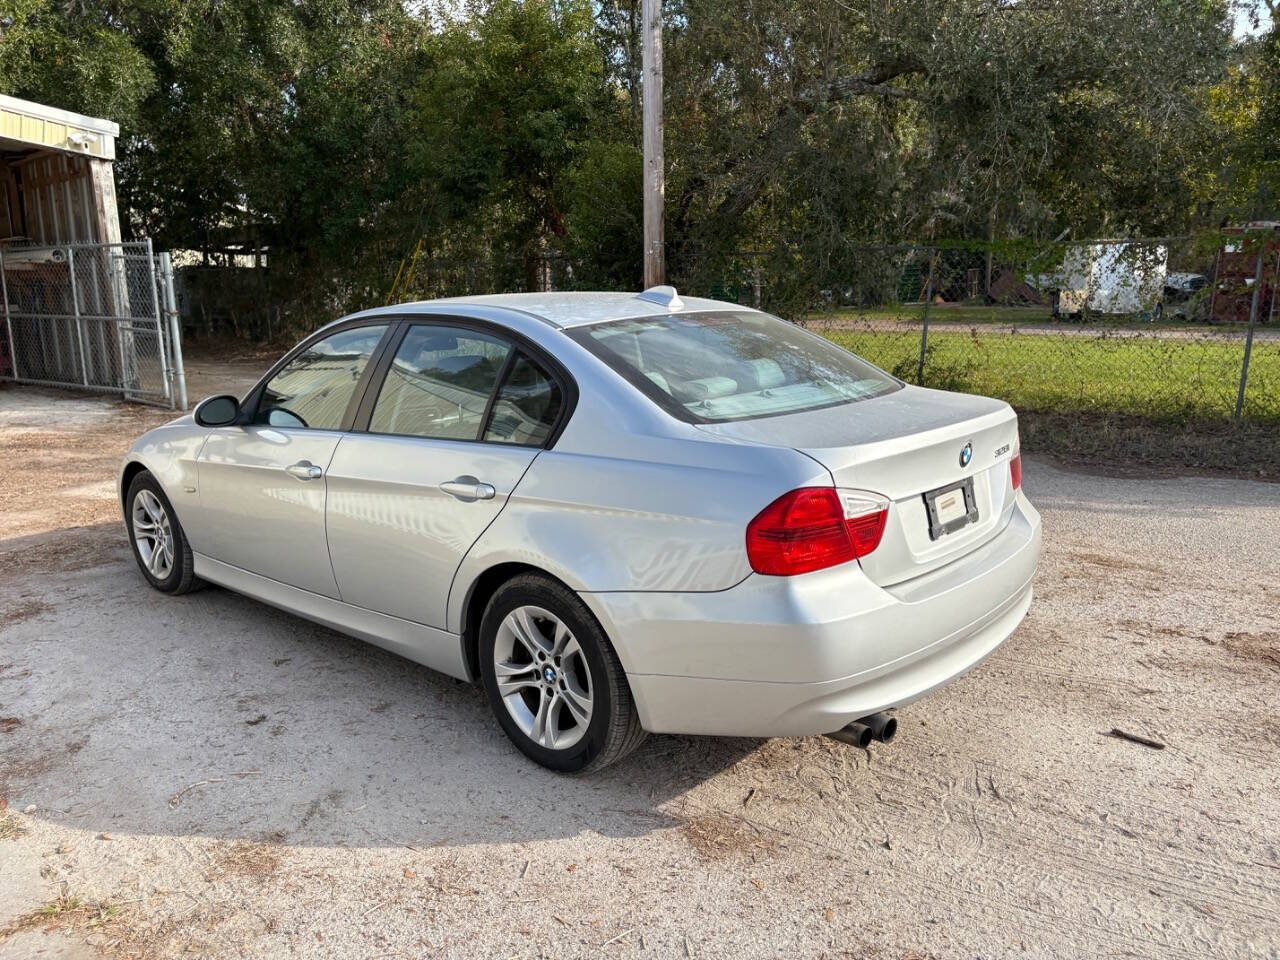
(169, 454)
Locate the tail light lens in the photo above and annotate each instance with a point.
(1015, 465)
(813, 528)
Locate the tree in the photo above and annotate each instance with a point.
(1240, 174)
(504, 116)
(337, 135)
(71, 56)
(798, 128)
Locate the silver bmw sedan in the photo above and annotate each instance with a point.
(620, 513)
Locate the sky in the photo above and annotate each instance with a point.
(1244, 26)
(1243, 8)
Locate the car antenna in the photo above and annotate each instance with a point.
(663, 296)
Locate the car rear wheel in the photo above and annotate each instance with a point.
(552, 677)
(159, 544)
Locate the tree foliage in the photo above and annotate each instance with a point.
(504, 114)
(501, 139)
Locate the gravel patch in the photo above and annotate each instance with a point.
(208, 775)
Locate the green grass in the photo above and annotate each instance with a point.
(1184, 379)
(941, 313)
(982, 314)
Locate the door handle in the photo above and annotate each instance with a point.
(468, 489)
(304, 470)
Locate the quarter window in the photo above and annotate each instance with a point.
(440, 383)
(315, 388)
(526, 407)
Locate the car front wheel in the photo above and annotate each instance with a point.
(552, 677)
(159, 543)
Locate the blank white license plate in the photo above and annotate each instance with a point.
(951, 506)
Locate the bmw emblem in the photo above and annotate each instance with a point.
(549, 674)
(966, 454)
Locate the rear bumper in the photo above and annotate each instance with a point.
(796, 656)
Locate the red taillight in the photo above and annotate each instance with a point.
(811, 528)
(1015, 470)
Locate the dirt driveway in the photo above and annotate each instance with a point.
(206, 775)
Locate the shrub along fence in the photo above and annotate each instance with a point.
(1170, 330)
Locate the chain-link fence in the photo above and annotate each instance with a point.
(1159, 328)
(98, 317)
(245, 302)
(1154, 328)
(1171, 328)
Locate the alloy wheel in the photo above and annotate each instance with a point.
(543, 677)
(153, 534)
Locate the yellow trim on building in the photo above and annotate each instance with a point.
(23, 123)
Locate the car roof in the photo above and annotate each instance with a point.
(565, 309)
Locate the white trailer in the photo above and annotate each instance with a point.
(1115, 277)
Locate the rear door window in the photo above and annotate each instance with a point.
(440, 383)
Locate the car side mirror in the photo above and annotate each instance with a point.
(220, 411)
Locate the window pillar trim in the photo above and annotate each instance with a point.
(496, 392)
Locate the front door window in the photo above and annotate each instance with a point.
(315, 388)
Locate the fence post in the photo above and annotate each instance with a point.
(166, 372)
(1213, 297)
(1275, 286)
(924, 326)
(175, 329)
(1248, 340)
(8, 321)
(75, 312)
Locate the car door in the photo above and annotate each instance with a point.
(262, 484)
(451, 428)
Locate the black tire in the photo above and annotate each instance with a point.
(614, 728)
(181, 577)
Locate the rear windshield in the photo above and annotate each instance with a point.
(712, 367)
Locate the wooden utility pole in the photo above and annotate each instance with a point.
(655, 269)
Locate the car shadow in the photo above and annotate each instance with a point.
(132, 712)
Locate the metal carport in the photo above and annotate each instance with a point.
(81, 308)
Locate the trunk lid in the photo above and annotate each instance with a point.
(902, 446)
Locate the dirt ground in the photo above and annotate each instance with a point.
(207, 776)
